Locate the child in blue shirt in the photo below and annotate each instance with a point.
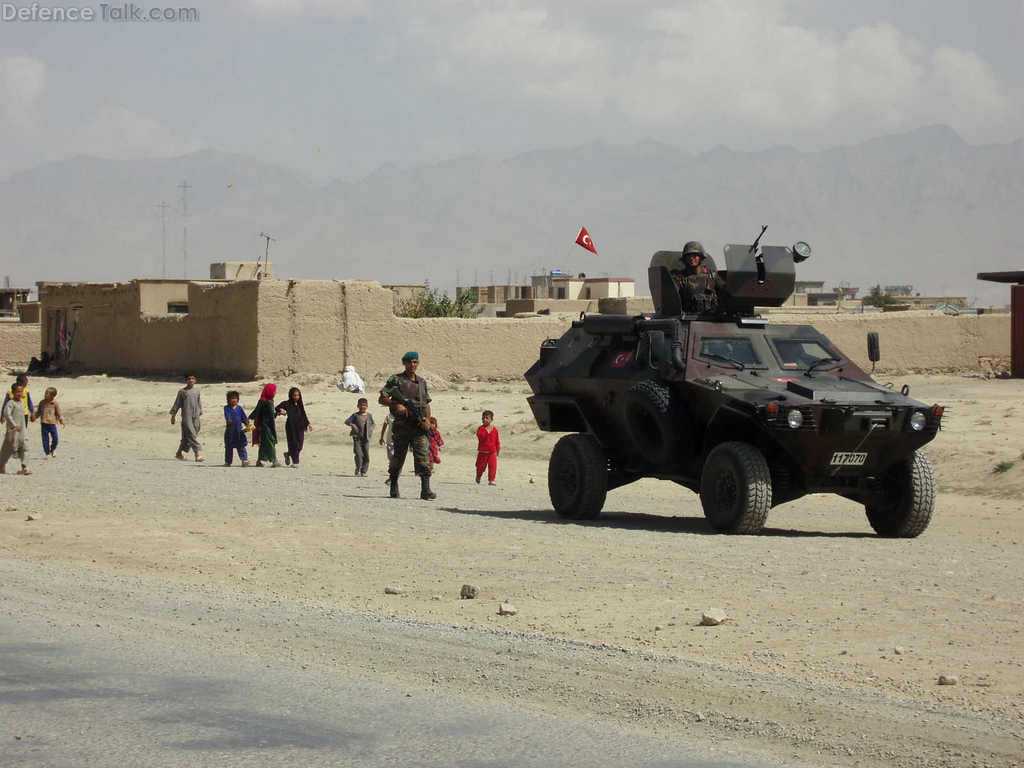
(234, 431)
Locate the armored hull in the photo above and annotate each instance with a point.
(746, 413)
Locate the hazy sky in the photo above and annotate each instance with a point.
(335, 89)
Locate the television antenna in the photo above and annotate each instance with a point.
(266, 255)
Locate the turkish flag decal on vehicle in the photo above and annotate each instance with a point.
(621, 359)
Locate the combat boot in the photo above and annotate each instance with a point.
(393, 484)
(425, 492)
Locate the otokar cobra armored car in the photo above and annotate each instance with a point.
(746, 413)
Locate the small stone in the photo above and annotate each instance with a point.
(392, 590)
(700, 717)
(507, 609)
(32, 516)
(532, 480)
(658, 627)
(948, 679)
(898, 650)
(712, 617)
(469, 592)
(435, 597)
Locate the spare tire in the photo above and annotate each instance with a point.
(650, 426)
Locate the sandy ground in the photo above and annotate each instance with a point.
(835, 641)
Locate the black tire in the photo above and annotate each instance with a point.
(904, 506)
(578, 477)
(736, 488)
(649, 424)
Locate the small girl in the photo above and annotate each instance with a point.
(296, 426)
(488, 448)
(436, 441)
(264, 433)
(49, 414)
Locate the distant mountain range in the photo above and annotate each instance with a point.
(924, 208)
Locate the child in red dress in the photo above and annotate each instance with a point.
(488, 448)
(436, 441)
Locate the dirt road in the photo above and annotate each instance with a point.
(836, 638)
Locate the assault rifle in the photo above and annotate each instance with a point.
(416, 414)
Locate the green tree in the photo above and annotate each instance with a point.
(432, 302)
(876, 298)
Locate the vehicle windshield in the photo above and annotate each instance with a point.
(733, 349)
(801, 353)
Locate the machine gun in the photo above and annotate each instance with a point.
(758, 256)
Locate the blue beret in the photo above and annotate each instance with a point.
(410, 356)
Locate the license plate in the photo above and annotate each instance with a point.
(848, 459)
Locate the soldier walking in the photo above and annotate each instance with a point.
(406, 395)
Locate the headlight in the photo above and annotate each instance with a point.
(795, 419)
(918, 421)
(801, 251)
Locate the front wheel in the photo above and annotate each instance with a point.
(736, 488)
(903, 506)
(578, 477)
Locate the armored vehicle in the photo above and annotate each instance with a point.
(746, 413)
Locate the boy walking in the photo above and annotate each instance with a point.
(191, 408)
(488, 448)
(361, 426)
(49, 414)
(20, 381)
(235, 424)
(15, 421)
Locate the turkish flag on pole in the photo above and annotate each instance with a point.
(583, 238)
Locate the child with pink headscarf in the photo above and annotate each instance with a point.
(264, 434)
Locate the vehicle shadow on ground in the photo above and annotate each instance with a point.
(641, 522)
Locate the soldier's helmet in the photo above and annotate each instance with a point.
(693, 247)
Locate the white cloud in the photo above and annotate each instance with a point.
(746, 65)
(331, 8)
(117, 132)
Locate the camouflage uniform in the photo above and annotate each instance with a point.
(406, 433)
(698, 286)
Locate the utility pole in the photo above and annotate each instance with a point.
(184, 187)
(163, 237)
(266, 254)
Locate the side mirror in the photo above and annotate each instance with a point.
(874, 355)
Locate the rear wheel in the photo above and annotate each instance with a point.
(578, 477)
(736, 488)
(903, 506)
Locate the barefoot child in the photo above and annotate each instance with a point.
(436, 441)
(234, 431)
(361, 425)
(49, 415)
(15, 443)
(296, 427)
(488, 448)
